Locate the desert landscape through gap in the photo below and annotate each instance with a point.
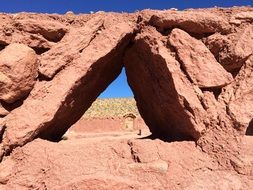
(110, 118)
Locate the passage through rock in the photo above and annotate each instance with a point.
(190, 71)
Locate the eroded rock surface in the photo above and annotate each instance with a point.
(119, 164)
(72, 90)
(198, 62)
(232, 50)
(35, 30)
(79, 39)
(191, 75)
(164, 96)
(239, 96)
(198, 22)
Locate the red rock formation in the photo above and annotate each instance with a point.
(165, 98)
(199, 63)
(53, 106)
(179, 66)
(239, 96)
(195, 21)
(121, 164)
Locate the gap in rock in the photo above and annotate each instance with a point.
(2, 46)
(40, 50)
(200, 36)
(235, 71)
(249, 130)
(216, 91)
(11, 106)
(113, 114)
(54, 36)
(79, 96)
(2, 129)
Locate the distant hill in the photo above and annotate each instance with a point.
(111, 107)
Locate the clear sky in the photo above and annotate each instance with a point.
(119, 88)
(85, 6)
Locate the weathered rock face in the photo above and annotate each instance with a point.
(190, 72)
(165, 98)
(79, 39)
(38, 31)
(239, 96)
(196, 21)
(18, 72)
(120, 164)
(198, 62)
(232, 50)
(55, 105)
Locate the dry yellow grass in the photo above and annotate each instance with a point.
(111, 107)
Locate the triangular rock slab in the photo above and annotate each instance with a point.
(68, 50)
(198, 62)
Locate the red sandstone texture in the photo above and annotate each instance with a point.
(191, 73)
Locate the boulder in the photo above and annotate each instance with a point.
(165, 98)
(244, 45)
(199, 63)
(241, 116)
(198, 22)
(38, 31)
(50, 30)
(221, 47)
(18, 72)
(232, 50)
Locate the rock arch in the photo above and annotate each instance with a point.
(173, 75)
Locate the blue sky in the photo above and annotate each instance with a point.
(119, 88)
(85, 6)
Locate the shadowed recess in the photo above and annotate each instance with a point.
(249, 130)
